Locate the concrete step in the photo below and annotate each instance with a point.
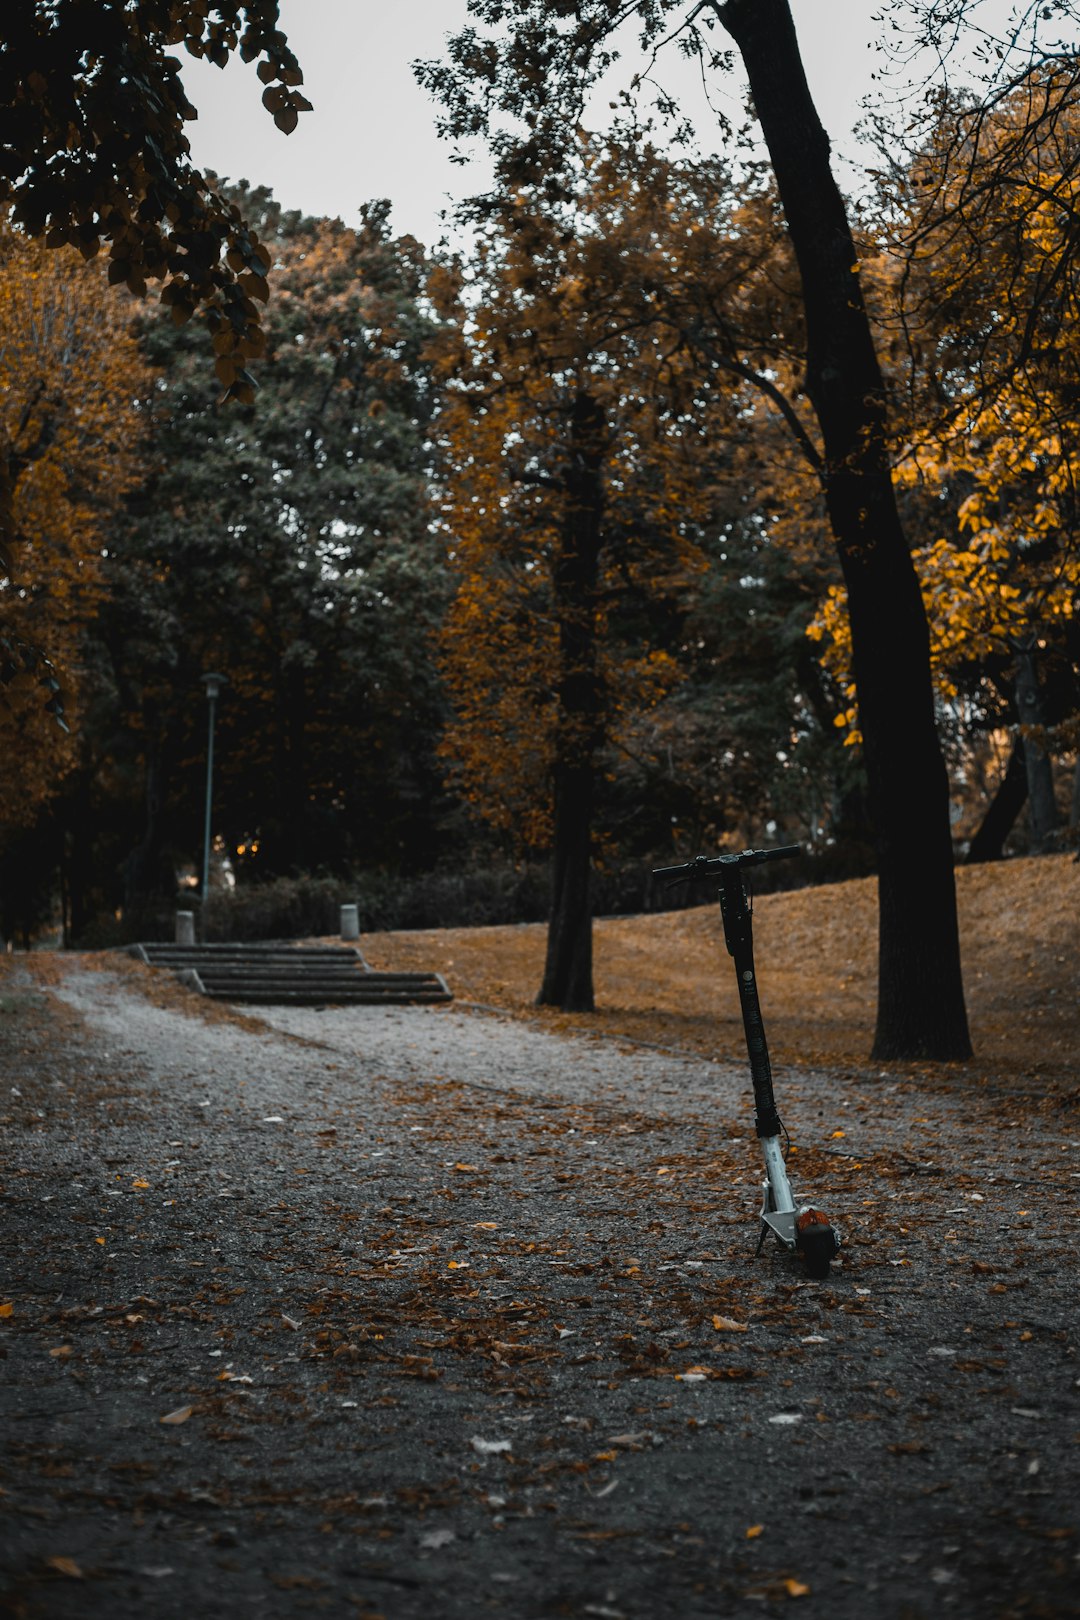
(284, 975)
(370, 995)
(163, 955)
(344, 971)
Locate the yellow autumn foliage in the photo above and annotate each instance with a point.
(990, 305)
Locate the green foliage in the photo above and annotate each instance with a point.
(303, 907)
(745, 741)
(288, 546)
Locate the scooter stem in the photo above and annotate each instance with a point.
(739, 937)
(807, 1229)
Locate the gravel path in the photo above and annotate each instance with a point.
(448, 1315)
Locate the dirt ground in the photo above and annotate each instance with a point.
(667, 979)
(431, 1313)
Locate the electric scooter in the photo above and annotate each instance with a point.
(804, 1230)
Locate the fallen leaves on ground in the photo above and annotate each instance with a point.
(179, 1415)
(665, 978)
(66, 1566)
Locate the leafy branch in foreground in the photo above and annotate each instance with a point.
(93, 150)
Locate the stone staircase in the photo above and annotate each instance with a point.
(279, 974)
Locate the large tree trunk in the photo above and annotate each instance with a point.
(579, 723)
(287, 816)
(143, 876)
(568, 981)
(988, 842)
(1042, 804)
(920, 991)
(296, 792)
(76, 857)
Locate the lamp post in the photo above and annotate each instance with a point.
(213, 684)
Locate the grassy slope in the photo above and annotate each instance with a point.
(667, 978)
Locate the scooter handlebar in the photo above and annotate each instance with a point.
(782, 852)
(709, 865)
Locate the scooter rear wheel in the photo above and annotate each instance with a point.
(818, 1244)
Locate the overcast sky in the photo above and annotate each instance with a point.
(372, 133)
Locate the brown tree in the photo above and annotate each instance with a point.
(539, 74)
(573, 433)
(71, 379)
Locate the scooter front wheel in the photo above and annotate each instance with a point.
(817, 1242)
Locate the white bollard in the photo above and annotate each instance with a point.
(185, 928)
(350, 922)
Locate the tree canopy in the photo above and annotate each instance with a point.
(71, 383)
(529, 81)
(93, 151)
(288, 546)
(517, 552)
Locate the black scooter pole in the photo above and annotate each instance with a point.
(806, 1230)
(739, 937)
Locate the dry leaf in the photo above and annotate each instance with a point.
(6, 1309)
(66, 1566)
(727, 1324)
(437, 1538)
(61, 1350)
(141, 1184)
(754, 1530)
(180, 1415)
(466, 1167)
(796, 1588)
